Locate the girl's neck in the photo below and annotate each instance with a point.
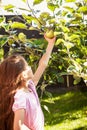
(25, 87)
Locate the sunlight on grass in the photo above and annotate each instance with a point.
(51, 100)
(68, 112)
(69, 125)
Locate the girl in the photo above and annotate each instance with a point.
(19, 103)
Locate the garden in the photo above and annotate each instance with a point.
(63, 86)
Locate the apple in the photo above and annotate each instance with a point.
(49, 33)
(22, 37)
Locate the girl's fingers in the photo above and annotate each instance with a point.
(22, 126)
(20, 123)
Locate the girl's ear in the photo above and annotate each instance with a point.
(24, 74)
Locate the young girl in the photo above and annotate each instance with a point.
(19, 103)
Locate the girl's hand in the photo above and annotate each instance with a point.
(50, 40)
(22, 126)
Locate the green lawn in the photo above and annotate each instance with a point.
(68, 111)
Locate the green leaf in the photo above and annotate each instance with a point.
(1, 53)
(46, 108)
(29, 19)
(85, 64)
(3, 40)
(52, 21)
(73, 36)
(76, 81)
(68, 44)
(59, 41)
(63, 22)
(60, 79)
(52, 7)
(26, 17)
(84, 76)
(83, 9)
(70, 0)
(2, 19)
(71, 68)
(64, 12)
(48, 94)
(78, 67)
(78, 16)
(11, 41)
(45, 15)
(8, 7)
(18, 25)
(37, 2)
(24, 9)
(69, 8)
(6, 27)
(65, 29)
(56, 33)
(32, 28)
(24, 0)
(85, 1)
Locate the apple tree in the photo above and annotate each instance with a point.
(65, 19)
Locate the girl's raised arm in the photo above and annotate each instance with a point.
(44, 60)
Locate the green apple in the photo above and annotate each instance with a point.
(49, 33)
(22, 37)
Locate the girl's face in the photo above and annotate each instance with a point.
(27, 74)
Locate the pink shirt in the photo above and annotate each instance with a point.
(29, 101)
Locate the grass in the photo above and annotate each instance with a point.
(68, 111)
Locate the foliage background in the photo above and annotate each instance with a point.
(68, 20)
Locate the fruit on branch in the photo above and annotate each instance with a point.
(49, 33)
(22, 37)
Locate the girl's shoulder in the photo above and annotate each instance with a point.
(22, 93)
(19, 93)
(20, 99)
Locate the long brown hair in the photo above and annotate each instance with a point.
(10, 79)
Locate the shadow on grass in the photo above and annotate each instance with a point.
(67, 106)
